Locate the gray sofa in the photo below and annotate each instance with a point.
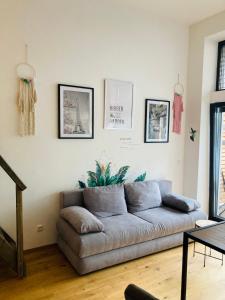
(125, 236)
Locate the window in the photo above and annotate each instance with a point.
(217, 158)
(220, 81)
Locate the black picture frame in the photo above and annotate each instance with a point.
(79, 109)
(166, 122)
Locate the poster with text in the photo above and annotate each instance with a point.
(118, 104)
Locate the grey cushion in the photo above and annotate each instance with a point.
(142, 195)
(119, 231)
(71, 198)
(165, 187)
(180, 202)
(81, 219)
(129, 229)
(105, 201)
(168, 221)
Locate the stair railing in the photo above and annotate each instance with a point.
(20, 187)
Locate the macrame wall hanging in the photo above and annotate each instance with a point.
(27, 96)
(178, 106)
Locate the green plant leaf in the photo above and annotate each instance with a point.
(102, 176)
(98, 169)
(108, 170)
(82, 185)
(92, 177)
(112, 180)
(121, 174)
(98, 174)
(140, 177)
(108, 174)
(101, 181)
(91, 182)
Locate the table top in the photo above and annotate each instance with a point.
(212, 236)
(203, 223)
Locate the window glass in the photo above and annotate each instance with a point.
(221, 67)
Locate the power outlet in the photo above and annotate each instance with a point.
(40, 228)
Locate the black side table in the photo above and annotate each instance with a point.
(211, 236)
(202, 224)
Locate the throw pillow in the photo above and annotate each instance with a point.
(142, 195)
(180, 202)
(81, 219)
(105, 201)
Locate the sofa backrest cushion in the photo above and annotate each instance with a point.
(81, 219)
(71, 198)
(75, 197)
(105, 201)
(165, 187)
(142, 195)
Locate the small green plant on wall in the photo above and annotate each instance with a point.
(102, 176)
(193, 134)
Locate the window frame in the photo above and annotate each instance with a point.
(215, 151)
(220, 46)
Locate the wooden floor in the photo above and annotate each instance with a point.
(50, 276)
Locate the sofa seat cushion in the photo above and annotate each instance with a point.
(168, 221)
(119, 231)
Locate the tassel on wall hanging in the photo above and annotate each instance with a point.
(27, 97)
(178, 106)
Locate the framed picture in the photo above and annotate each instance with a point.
(118, 104)
(76, 112)
(157, 116)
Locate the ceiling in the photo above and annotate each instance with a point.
(183, 11)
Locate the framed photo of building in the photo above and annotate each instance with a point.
(157, 116)
(75, 112)
(118, 104)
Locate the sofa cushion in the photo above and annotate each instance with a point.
(168, 221)
(128, 229)
(81, 219)
(71, 198)
(142, 195)
(105, 201)
(165, 187)
(180, 202)
(119, 231)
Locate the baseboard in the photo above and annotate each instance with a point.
(39, 248)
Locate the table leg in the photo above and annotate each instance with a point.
(184, 267)
(204, 256)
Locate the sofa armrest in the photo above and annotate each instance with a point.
(180, 202)
(133, 292)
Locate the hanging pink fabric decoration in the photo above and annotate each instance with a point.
(178, 108)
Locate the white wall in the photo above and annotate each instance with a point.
(82, 42)
(204, 38)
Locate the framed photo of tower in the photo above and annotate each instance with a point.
(157, 118)
(75, 112)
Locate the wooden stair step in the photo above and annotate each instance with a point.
(8, 250)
